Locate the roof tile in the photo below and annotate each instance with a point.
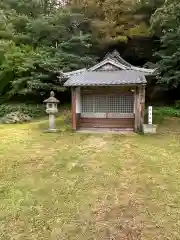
(123, 77)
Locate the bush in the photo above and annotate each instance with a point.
(28, 109)
(159, 113)
(15, 117)
(177, 104)
(167, 111)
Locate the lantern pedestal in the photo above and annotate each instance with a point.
(52, 126)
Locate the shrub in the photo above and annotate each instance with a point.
(159, 113)
(15, 117)
(167, 111)
(177, 104)
(28, 109)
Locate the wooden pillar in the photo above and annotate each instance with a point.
(142, 105)
(136, 123)
(73, 93)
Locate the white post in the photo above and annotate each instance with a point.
(150, 115)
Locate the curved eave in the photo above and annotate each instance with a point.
(145, 71)
(79, 71)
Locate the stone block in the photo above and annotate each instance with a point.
(149, 128)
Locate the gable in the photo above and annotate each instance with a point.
(108, 67)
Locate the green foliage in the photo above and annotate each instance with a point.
(35, 48)
(40, 38)
(177, 104)
(117, 19)
(139, 30)
(167, 111)
(165, 22)
(160, 113)
(145, 9)
(27, 109)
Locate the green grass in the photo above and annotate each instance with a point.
(89, 186)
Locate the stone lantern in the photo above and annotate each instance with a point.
(51, 109)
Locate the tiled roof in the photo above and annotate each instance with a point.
(90, 78)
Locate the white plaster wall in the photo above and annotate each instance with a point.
(78, 100)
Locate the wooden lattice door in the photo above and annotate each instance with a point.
(108, 106)
(119, 106)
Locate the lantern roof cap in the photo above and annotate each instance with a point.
(51, 99)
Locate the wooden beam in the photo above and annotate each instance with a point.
(73, 94)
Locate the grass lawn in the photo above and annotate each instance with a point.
(89, 186)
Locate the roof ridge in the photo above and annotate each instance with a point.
(116, 56)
